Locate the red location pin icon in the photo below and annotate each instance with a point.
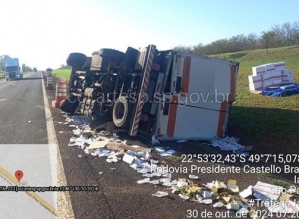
(19, 175)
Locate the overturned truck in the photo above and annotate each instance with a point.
(169, 94)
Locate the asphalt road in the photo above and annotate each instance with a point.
(22, 119)
(23, 146)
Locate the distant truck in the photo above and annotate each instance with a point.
(12, 69)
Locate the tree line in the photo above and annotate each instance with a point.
(286, 34)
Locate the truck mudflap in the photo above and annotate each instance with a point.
(101, 119)
(70, 104)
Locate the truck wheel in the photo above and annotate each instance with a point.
(122, 112)
(76, 59)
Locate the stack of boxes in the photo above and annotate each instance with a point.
(271, 74)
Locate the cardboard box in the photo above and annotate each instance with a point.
(254, 78)
(266, 191)
(279, 66)
(276, 81)
(270, 68)
(286, 71)
(255, 86)
(291, 80)
(257, 70)
(287, 76)
(276, 74)
(267, 83)
(266, 76)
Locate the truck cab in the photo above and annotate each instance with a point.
(12, 69)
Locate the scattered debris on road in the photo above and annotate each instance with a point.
(160, 194)
(215, 193)
(231, 144)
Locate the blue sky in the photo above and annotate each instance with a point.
(43, 32)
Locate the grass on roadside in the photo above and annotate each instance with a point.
(62, 73)
(1, 74)
(267, 119)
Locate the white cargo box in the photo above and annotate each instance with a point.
(279, 66)
(286, 80)
(276, 74)
(255, 86)
(276, 82)
(254, 79)
(257, 70)
(270, 68)
(266, 76)
(267, 83)
(287, 76)
(202, 91)
(287, 72)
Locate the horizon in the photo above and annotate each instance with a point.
(49, 30)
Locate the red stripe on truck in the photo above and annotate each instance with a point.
(233, 70)
(172, 116)
(221, 120)
(186, 75)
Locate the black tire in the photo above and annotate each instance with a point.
(111, 54)
(76, 60)
(70, 104)
(122, 112)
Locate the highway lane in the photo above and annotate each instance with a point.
(22, 114)
(24, 146)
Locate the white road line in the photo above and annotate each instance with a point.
(63, 200)
(52, 141)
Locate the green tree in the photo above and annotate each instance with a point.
(26, 68)
(2, 57)
(266, 39)
(23, 67)
(63, 66)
